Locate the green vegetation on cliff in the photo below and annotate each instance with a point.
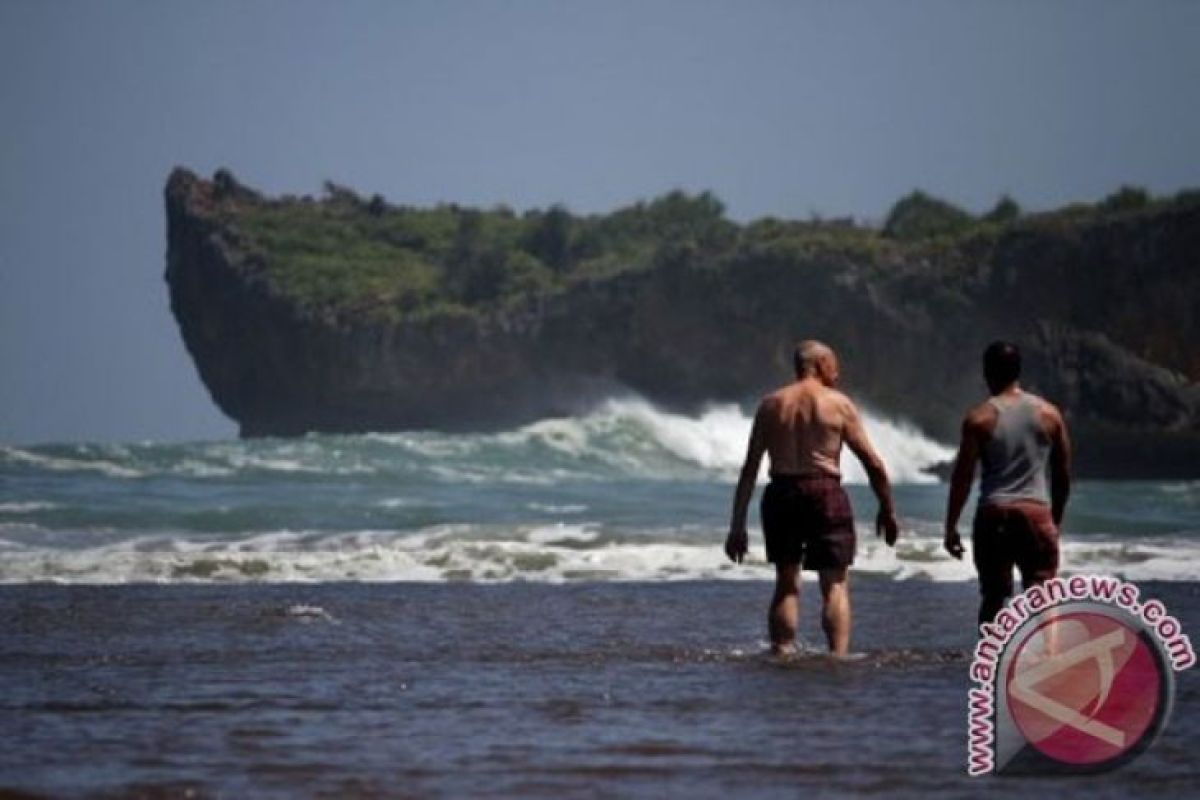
(346, 256)
(350, 314)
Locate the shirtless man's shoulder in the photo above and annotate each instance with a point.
(792, 390)
(775, 401)
(833, 400)
(843, 401)
(824, 405)
(828, 397)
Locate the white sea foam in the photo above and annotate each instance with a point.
(628, 433)
(202, 469)
(905, 450)
(552, 508)
(620, 437)
(26, 506)
(581, 531)
(308, 613)
(716, 439)
(557, 534)
(60, 464)
(293, 464)
(1186, 489)
(543, 553)
(404, 502)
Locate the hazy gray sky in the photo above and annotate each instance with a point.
(781, 108)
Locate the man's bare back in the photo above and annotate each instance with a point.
(803, 426)
(806, 514)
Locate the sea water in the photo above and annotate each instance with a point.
(540, 612)
(627, 492)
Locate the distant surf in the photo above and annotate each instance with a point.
(622, 437)
(627, 492)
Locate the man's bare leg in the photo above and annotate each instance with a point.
(785, 609)
(990, 604)
(1050, 642)
(835, 609)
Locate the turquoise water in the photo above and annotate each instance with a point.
(627, 493)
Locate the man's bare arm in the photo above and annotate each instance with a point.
(960, 484)
(737, 543)
(1060, 468)
(855, 436)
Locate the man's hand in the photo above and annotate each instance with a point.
(737, 543)
(887, 527)
(953, 543)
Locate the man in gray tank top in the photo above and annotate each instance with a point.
(1016, 437)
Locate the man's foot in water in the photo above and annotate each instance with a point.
(783, 648)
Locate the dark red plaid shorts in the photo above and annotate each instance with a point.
(808, 520)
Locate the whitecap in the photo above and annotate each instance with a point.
(58, 464)
(555, 534)
(551, 508)
(308, 613)
(26, 506)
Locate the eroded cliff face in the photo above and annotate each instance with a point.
(1104, 309)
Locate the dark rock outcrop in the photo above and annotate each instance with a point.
(1104, 306)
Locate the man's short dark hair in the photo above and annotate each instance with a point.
(1001, 364)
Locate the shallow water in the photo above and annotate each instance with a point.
(516, 689)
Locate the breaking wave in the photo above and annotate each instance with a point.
(557, 553)
(627, 492)
(627, 437)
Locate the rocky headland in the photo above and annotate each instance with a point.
(347, 314)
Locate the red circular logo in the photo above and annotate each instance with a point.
(1084, 688)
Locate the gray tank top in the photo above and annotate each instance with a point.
(1014, 458)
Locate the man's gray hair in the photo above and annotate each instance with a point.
(808, 355)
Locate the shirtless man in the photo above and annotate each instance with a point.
(806, 515)
(1014, 434)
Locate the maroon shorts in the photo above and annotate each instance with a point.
(1020, 534)
(808, 520)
